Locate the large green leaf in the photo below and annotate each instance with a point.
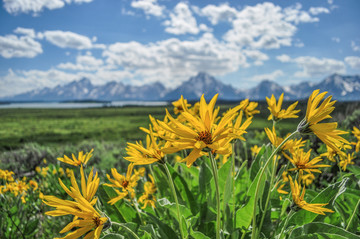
(321, 228)
(183, 189)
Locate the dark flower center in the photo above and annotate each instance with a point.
(125, 183)
(205, 136)
(96, 221)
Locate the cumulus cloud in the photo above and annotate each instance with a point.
(172, 61)
(36, 6)
(181, 21)
(69, 40)
(83, 63)
(353, 62)
(316, 67)
(25, 31)
(266, 25)
(284, 58)
(257, 56)
(215, 14)
(270, 76)
(23, 46)
(150, 7)
(318, 10)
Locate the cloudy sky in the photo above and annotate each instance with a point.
(44, 43)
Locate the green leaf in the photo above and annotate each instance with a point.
(31, 226)
(113, 236)
(164, 230)
(257, 163)
(150, 229)
(244, 215)
(120, 211)
(322, 228)
(184, 191)
(328, 195)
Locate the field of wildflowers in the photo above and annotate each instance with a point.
(191, 178)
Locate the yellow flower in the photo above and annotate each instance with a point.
(298, 198)
(249, 108)
(61, 172)
(255, 150)
(280, 189)
(139, 155)
(88, 188)
(302, 162)
(331, 154)
(237, 129)
(87, 219)
(45, 161)
(42, 171)
(346, 161)
(290, 145)
(6, 175)
(125, 183)
(326, 132)
(201, 133)
(81, 160)
(356, 133)
(276, 113)
(148, 198)
(180, 105)
(307, 179)
(68, 172)
(33, 184)
(54, 171)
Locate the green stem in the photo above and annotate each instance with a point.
(268, 197)
(352, 216)
(171, 182)
(126, 228)
(216, 179)
(286, 222)
(233, 177)
(137, 210)
(253, 234)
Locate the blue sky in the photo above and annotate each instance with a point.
(46, 43)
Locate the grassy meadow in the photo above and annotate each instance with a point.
(31, 140)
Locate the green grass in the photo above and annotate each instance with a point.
(52, 127)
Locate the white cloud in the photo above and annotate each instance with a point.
(219, 13)
(181, 21)
(270, 76)
(355, 46)
(318, 10)
(315, 67)
(36, 6)
(353, 61)
(172, 61)
(335, 39)
(296, 15)
(150, 7)
(83, 63)
(70, 40)
(284, 58)
(266, 25)
(14, 46)
(25, 31)
(257, 56)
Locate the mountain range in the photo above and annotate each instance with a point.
(342, 87)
